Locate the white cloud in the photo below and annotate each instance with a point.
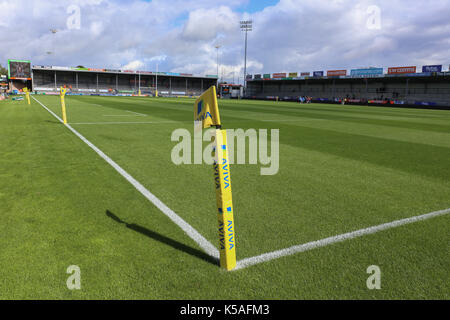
(180, 35)
(134, 65)
(206, 24)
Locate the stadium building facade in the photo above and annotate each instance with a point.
(399, 86)
(91, 81)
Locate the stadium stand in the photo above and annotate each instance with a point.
(420, 89)
(102, 81)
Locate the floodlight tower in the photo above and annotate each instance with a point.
(246, 25)
(218, 47)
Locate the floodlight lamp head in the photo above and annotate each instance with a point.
(246, 25)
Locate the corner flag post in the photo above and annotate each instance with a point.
(206, 111)
(27, 94)
(63, 104)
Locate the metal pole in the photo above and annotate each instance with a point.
(245, 61)
(156, 77)
(246, 26)
(217, 47)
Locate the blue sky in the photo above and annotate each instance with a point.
(181, 35)
(256, 5)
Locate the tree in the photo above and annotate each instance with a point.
(3, 71)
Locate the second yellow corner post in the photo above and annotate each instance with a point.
(63, 104)
(27, 94)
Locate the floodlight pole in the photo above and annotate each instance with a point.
(246, 26)
(217, 47)
(156, 79)
(139, 90)
(245, 60)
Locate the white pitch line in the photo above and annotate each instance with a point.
(126, 122)
(331, 240)
(294, 120)
(137, 113)
(120, 115)
(186, 227)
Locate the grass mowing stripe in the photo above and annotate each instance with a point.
(187, 228)
(331, 240)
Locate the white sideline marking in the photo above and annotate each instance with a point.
(130, 122)
(137, 113)
(186, 227)
(294, 120)
(331, 240)
(120, 115)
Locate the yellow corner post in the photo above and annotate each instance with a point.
(27, 93)
(63, 104)
(206, 111)
(222, 179)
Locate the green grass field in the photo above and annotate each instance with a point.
(342, 168)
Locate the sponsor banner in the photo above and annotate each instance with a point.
(44, 89)
(425, 103)
(186, 74)
(266, 76)
(128, 71)
(336, 73)
(211, 76)
(293, 74)
(179, 92)
(82, 69)
(435, 68)
(172, 74)
(60, 68)
(401, 70)
(378, 101)
(305, 74)
(96, 69)
(318, 73)
(249, 77)
(279, 75)
(366, 72)
(111, 70)
(257, 77)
